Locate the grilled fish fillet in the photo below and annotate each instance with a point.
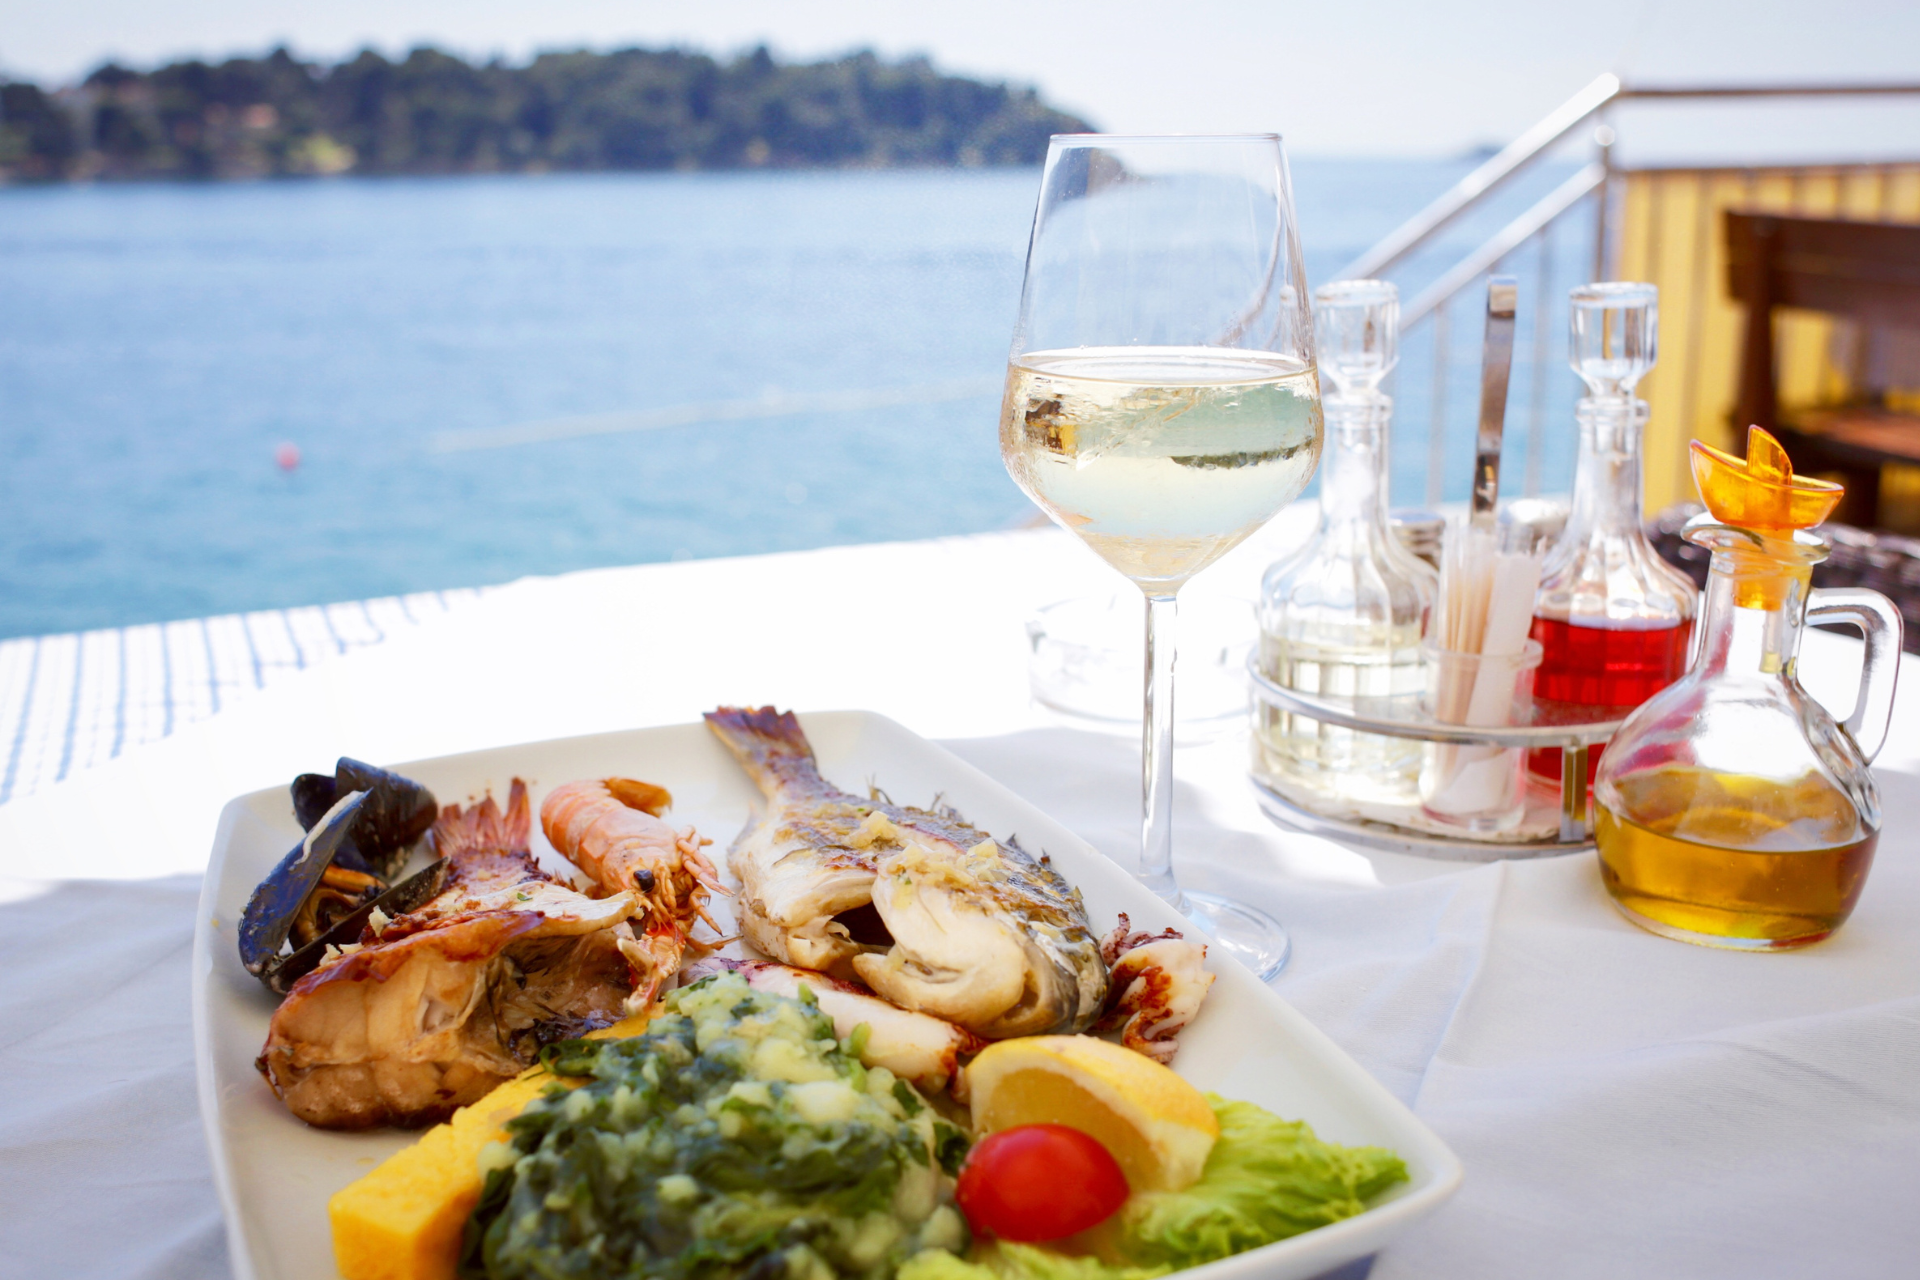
(914, 1046)
(971, 930)
(458, 995)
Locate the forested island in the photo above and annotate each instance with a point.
(431, 112)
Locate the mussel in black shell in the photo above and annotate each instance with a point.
(361, 823)
(280, 905)
(397, 812)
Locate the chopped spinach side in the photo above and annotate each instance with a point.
(735, 1140)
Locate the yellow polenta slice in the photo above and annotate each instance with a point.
(403, 1220)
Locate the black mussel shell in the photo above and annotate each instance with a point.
(361, 820)
(313, 795)
(397, 813)
(281, 972)
(342, 891)
(276, 903)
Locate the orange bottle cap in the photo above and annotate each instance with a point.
(1760, 491)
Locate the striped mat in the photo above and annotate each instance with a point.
(68, 702)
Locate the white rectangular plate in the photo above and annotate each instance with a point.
(275, 1173)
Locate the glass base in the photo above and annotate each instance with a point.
(1720, 941)
(1248, 934)
(1491, 822)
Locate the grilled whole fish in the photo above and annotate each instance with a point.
(968, 929)
(432, 1011)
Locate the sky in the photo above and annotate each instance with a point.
(1336, 77)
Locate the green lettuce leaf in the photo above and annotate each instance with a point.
(1266, 1179)
(1002, 1260)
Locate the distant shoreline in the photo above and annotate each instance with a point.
(98, 181)
(433, 114)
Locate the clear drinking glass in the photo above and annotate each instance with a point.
(1162, 401)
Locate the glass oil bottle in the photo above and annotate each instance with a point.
(1343, 617)
(1732, 810)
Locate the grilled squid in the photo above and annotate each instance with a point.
(1159, 983)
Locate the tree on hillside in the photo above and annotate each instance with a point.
(431, 112)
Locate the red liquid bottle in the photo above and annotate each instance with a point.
(1597, 673)
(1614, 620)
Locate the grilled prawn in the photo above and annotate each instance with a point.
(611, 829)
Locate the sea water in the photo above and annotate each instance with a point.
(489, 377)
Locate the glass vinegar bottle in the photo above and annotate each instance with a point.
(1344, 616)
(1613, 619)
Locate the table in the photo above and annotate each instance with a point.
(1624, 1105)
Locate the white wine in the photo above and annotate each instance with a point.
(1161, 458)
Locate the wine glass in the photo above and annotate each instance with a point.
(1162, 401)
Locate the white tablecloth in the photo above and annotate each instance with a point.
(1624, 1105)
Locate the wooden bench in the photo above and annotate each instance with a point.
(1864, 272)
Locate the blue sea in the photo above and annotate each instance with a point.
(495, 376)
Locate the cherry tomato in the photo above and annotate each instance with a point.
(1039, 1182)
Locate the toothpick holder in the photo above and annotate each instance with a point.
(1477, 789)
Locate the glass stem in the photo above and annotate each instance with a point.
(1156, 756)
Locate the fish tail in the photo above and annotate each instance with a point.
(769, 744)
(519, 823)
(482, 828)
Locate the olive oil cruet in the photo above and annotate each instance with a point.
(1732, 810)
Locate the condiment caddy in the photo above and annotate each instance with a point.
(1415, 740)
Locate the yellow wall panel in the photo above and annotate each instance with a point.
(1903, 194)
(1671, 234)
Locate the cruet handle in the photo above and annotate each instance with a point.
(1879, 622)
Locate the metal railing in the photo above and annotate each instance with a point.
(1588, 195)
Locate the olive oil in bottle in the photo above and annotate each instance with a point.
(1732, 860)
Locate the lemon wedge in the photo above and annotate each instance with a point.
(1157, 1126)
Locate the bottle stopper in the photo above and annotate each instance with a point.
(1356, 327)
(1613, 336)
(1760, 491)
